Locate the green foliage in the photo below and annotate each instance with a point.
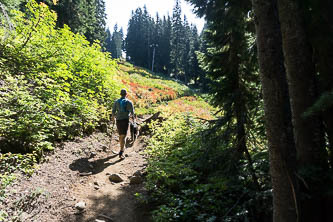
(192, 176)
(322, 104)
(10, 163)
(25, 163)
(54, 84)
(139, 33)
(10, 5)
(85, 17)
(5, 180)
(24, 123)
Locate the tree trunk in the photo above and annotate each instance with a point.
(281, 145)
(309, 138)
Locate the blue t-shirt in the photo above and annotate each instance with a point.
(122, 108)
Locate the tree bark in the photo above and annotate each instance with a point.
(302, 83)
(279, 129)
(309, 137)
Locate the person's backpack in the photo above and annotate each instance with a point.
(123, 105)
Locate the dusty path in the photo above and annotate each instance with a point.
(106, 199)
(58, 185)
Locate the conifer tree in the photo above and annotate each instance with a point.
(177, 40)
(165, 46)
(135, 43)
(99, 25)
(186, 45)
(116, 43)
(232, 69)
(194, 69)
(156, 43)
(86, 17)
(108, 40)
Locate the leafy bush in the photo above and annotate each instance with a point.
(55, 85)
(192, 176)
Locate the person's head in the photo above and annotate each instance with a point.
(123, 93)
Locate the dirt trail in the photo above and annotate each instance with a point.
(107, 199)
(58, 185)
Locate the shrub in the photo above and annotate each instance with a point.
(191, 176)
(55, 85)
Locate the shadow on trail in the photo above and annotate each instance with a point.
(83, 165)
(123, 207)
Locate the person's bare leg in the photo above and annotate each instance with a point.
(122, 142)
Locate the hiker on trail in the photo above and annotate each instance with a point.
(121, 110)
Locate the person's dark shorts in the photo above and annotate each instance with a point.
(122, 126)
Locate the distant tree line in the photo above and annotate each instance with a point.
(170, 42)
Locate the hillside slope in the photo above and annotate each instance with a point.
(57, 185)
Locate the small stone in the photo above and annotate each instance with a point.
(80, 205)
(98, 220)
(135, 180)
(96, 183)
(126, 155)
(96, 187)
(115, 178)
(24, 216)
(91, 166)
(85, 174)
(107, 174)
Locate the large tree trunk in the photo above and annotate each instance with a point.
(302, 84)
(277, 111)
(308, 132)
